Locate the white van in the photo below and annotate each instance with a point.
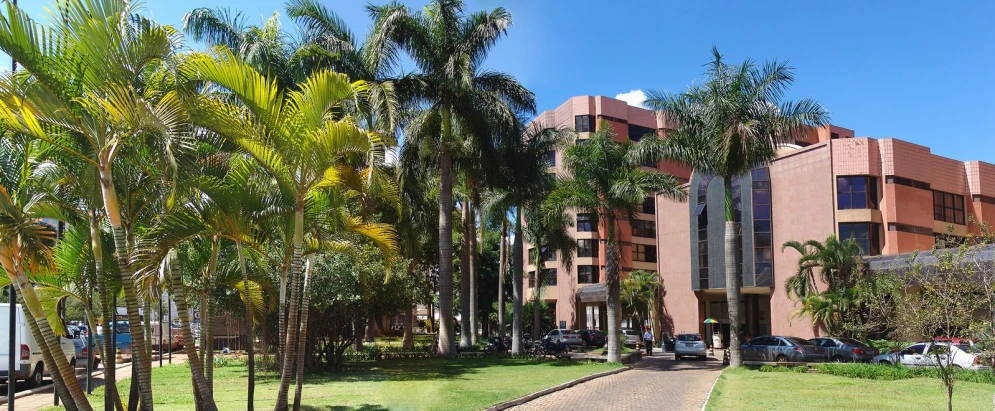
(29, 362)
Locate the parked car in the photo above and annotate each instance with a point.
(667, 343)
(632, 337)
(689, 345)
(30, 365)
(82, 352)
(568, 337)
(592, 338)
(845, 349)
(924, 355)
(782, 349)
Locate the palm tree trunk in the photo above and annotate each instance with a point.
(207, 319)
(464, 270)
(518, 257)
(732, 275)
(32, 311)
(140, 367)
(282, 312)
(249, 323)
(61, 389)
(503, 261)
(111, 398)
(302, 338)
(446, 335)
(290, 353)
(613, 303)
(201, 387)
(474, 272)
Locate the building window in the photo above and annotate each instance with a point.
(701, 212)
(548, 255)
(584, 124)
(532, 255)
(550, 158)
(834, 136)
(902, 181)
(532, 279)
(636, 133)
(549, 276)
(587, 248)
(644, 253)
(949, 240)
(643, 228)
(948, 207)
(856, 192)
(865, 234)
(649, 205)
(587, 274)
(586, 222)
(762, 229)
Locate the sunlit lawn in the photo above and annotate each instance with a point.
(464, 384)
(743, 389)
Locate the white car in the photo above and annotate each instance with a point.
(924, 355)
(632, 337)
(29, 363)
(568, 337)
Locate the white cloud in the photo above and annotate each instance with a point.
(634, 97)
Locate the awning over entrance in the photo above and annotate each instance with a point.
(593, 293)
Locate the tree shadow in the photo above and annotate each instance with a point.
(363, 407)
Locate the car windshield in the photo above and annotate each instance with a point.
(852, 342)
(797, 341)
(689, 337)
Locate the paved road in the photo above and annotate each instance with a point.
(655, 383)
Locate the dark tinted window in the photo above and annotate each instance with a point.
(796, 341)
(636, 133)
(586, 274)
(761, 341)
(865, 234)
(587, 248)
(644, 253)
(689, 337)
(586, 222)
(948, 207)
(918, 348)
(649, 206)
(856, 192)
(583, 124)
(853, 343)
(644, 228)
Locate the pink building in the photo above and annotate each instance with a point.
(890, 195)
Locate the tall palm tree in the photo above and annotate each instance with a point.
(524, 184)
(839, 267)
(547, 231)
(86, 86)
(25, 246)
(605, 178)
(459, 101)
(300, 138)
(729, 125)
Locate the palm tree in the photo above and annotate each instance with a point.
(729, 125)
(639, 290)
(605, 178)
(547, 231)
(296, 137)
(461, 103)
(839, 268)
(525, 182)
(87, 88)
(25, 246)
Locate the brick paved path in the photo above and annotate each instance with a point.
(655, 383)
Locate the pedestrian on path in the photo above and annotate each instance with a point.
(648, 341)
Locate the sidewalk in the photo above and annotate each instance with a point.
(45, 398)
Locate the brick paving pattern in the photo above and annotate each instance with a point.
(654, 383)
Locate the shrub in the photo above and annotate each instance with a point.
(781, 368)
(899, 372)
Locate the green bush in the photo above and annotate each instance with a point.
(899, 372)
(888, 345)
(782, 368)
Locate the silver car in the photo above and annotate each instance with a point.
(782, 349)
(568, 337)
(632, 337)
(689, 345)
(845, 349)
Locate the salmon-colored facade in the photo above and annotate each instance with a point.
(892, 196)
(585, 114)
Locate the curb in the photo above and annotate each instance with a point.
(707, 397)
(49, 387)
(547, 391)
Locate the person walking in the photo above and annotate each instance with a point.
(648, 341)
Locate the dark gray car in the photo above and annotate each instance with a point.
(845, 349)
(782, 349)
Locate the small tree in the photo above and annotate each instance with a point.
(639, 291)
(940, 299)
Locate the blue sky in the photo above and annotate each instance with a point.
(918, 71)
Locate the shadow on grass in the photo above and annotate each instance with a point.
(412, 370)
(364, 407)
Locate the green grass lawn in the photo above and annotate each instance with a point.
(743, 389)
(464, 384)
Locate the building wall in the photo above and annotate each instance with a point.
(680, 304)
